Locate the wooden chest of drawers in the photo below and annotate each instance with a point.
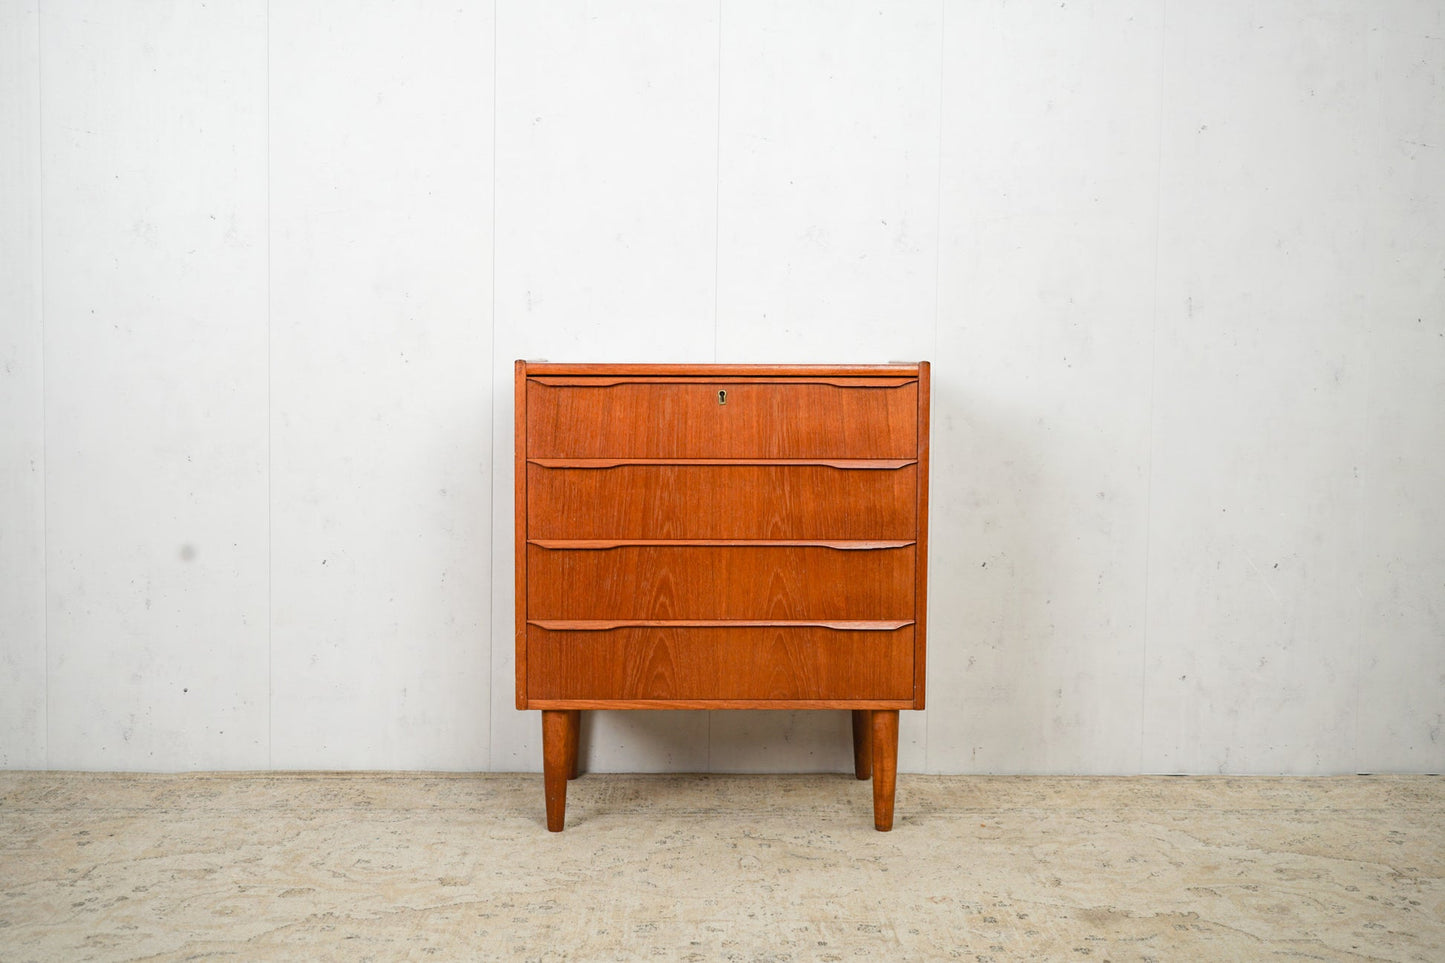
(722, 537)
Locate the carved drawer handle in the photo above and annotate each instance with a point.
(605, 625)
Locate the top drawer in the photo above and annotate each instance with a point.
(720, 417)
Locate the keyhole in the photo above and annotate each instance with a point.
(722, 397)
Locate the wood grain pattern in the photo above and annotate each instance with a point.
(862, 743)
(722, 536)
(696, 379)
(680, 501)
(520, 483)
(559, 749)
(766, 704)
(877, 464)
(606, 625)
(920, 592)
(574, 736)
(734, 581)
(842, 545)
(759, 420)
(883, 742)
(721, 663)
(543, 369)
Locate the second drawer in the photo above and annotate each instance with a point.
(777, 582)
(634, 501)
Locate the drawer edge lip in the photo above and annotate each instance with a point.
(864, 382)
(604, 544)
(608, 625)
(890, 370)
(722, 704)
(842, 464)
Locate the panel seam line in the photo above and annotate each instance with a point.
(1153, 385)
(270, 422)
(937, 303)
(44, 382)
(717, 188)
(492, 437)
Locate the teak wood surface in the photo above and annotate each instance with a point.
(722, 420)
(713, 662)
(733, 581)
(721, 536)
(717, 501)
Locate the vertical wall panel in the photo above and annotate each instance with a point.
(155, 344)
(1293, 544)
(1400, 723)
(606, 164)
(1042, 386)
(827, 232)
(22, 425)
(381, 123)
(828, 181)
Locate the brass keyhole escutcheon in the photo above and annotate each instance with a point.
(722, 397)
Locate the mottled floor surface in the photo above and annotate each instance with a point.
(431, 867)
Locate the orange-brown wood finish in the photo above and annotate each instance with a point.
(559, 760)
(753, 662)
(574, 738)
(734, 581)
(520, 481)
(543, 370)
(721, 419)
(883, 746)
(862, 739)
(920, 595)
(721, 704)
(722, 501)
(722, 536)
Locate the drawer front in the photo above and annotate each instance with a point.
(641, 418)
(721, 501)
(778, 583)
(720, 663)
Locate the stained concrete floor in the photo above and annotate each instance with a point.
(752, 868)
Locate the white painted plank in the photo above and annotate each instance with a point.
(1395, 258)
(1286, 195)
(606, 196)
(828, 181)
(1041, 387)
(155, 344)
(380, 195)
(22, 428)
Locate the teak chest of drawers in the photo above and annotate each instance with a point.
(722, 537)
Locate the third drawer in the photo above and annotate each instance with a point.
(611, 580)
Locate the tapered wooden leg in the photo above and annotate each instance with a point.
(885, 766)
(862, 743)
(574, 735)
(559, 755)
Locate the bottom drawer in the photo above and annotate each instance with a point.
(720, 662)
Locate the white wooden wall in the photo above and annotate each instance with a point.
(1180, 269)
